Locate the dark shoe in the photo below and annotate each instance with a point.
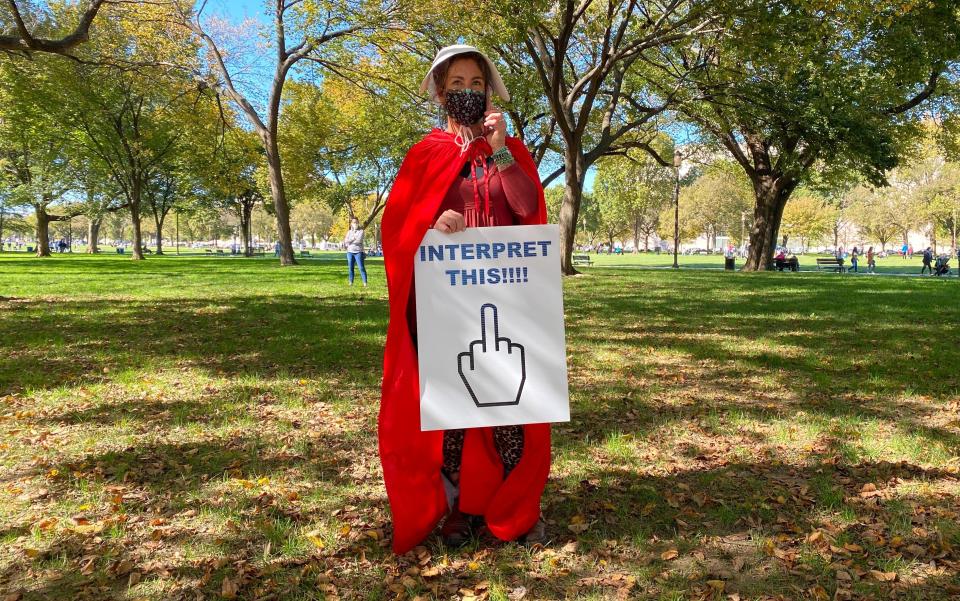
(537, 534)
(456, 529)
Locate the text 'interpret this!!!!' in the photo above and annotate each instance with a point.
(490, 332)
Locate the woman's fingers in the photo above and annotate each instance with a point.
(451, 222)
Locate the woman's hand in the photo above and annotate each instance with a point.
(495, 127)
(450, 222)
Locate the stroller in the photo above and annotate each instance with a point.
(942, 267)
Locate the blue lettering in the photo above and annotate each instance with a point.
(513, 250)
(493, 276)
(498, 248)
(466, 252)
(436, 253)
(453, 276)
(483, 250)
(530, 249)
(468, 277)
(543, 246)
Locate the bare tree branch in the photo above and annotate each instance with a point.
(26, 43)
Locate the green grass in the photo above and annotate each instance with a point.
(196, 419)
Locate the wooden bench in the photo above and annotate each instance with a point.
(304, 253)
(582, 260)
(791, 264)
(832, 263)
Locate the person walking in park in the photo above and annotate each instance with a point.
(927, 261)
(353, 242)
(903, 251)
(871, 261)
(465, 173)
(854, 259)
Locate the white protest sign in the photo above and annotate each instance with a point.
(490, 331)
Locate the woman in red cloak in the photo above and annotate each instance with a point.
(469, 175)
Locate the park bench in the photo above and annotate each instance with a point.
(220, 251)
(786, 265)
(258, 252)
(582, 260)
(831, 263)
(304, 253)
(209, 252)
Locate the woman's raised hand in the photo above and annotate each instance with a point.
(450, 222)
(495, 127)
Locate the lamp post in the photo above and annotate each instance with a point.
(677, 159)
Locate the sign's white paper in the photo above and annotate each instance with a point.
(490, 332)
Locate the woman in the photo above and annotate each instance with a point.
(871, 261)
(353, 242)
(854, 258)
(470, 174)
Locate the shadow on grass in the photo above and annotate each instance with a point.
(68, 343)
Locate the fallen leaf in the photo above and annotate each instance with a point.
(229, 589)
(518, 593)
(669, 554)
(883, 576)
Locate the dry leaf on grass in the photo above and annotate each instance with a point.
(229, 589)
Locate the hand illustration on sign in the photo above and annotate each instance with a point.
(493, 370)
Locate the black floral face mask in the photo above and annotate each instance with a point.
(466, 106)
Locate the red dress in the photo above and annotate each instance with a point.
(412, 459)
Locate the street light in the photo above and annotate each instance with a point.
(677, 159)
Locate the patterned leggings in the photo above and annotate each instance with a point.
(508, 441)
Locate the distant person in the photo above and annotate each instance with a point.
(353, 241)
(910, 251)
(927, 261)
(871, 261)
(854, 258)
(276, 249)
(903, 250)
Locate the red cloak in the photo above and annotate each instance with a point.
(412, 459)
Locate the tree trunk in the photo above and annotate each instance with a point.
(158, 221)
(43, 232)
(570, 209)
(93, 235)
(137, 254)
(646, 243)
(246, 211)
(282, 210)
(636, 235)
(771, 197)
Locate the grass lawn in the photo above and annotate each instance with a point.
(205, 427)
